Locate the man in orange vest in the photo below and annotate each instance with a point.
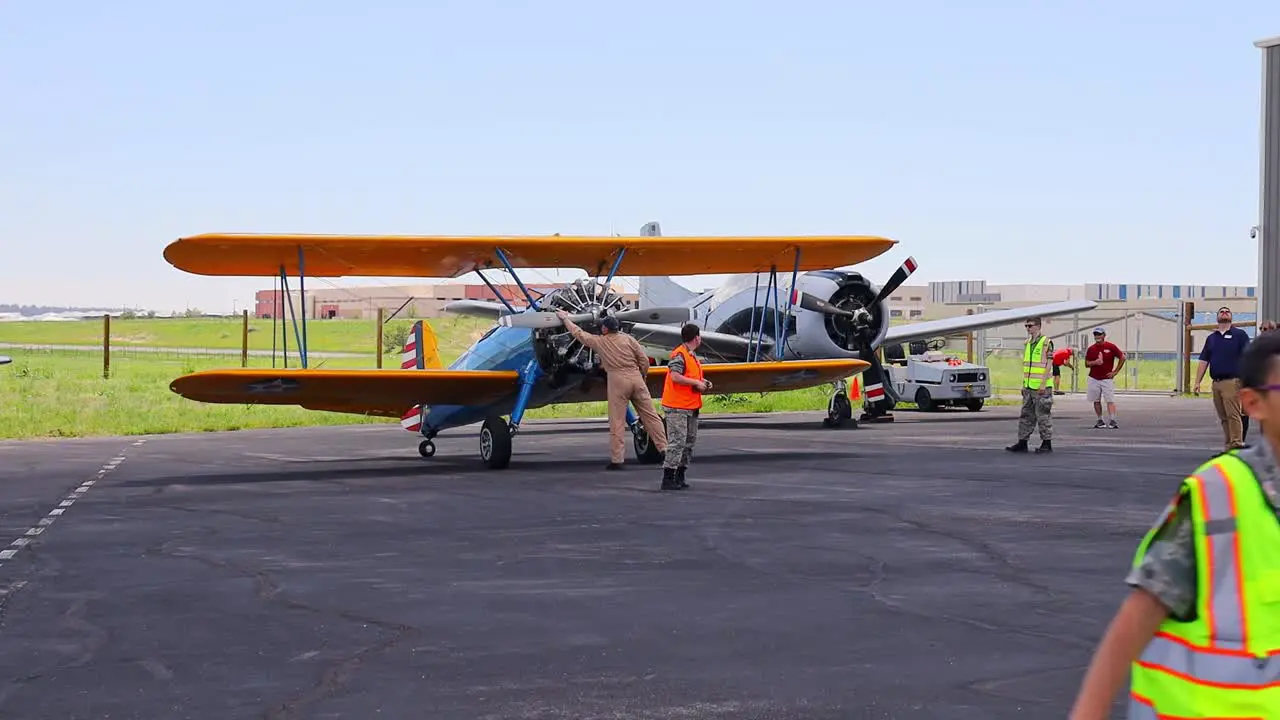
(681, 401)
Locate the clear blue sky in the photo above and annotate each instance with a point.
(1009, 141)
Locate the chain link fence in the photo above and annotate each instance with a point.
(1159, 356)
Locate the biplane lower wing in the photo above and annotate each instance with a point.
(388, 394)
(750, 377)
(366, 392)
(758, 377)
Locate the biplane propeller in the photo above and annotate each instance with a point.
(525, 361)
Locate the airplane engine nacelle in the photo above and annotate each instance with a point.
(809, 334)
(819, 334)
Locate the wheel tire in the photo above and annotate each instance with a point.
(924, 401)
(839, 411)
(646, 452)
(426, 448)
(495, 443)
(974, 405)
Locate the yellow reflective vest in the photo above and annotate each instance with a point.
(1226, 662)
(1033, 355)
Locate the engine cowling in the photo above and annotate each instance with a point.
(558, 351)
(857, 325)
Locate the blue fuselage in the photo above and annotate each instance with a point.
(502, 348)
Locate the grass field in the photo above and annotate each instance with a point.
(455, 333)
(61, 393)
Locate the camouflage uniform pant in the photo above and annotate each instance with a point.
(682, 433)
(1035, 411)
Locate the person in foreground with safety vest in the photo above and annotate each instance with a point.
(1200, 631)
(681, 403)
(1037, 390)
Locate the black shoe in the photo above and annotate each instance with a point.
(1046, 446)
(1020, 446)
(669, 479)
(1113, 424)
(1100, 424)
(680, 483)
(613, 466)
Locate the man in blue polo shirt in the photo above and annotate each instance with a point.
(1221, 357)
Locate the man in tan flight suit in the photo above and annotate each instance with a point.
(626, 365)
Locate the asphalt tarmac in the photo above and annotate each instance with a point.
(905, 570)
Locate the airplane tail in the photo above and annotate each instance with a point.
(661, 291)
(420, 349)
(420, 353)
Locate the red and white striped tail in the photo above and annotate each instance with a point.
(411, 358)
(412, 419)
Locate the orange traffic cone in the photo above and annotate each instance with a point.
(855, 388)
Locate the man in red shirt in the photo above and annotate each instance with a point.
(1060, 358)
(1104, 360)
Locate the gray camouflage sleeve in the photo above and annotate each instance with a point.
(1168, 569)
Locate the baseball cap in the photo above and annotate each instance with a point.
(1099, 331)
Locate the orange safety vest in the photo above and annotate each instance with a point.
(683, 397)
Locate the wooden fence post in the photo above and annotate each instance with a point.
(244, 341)
(379, 338)
(106, 346)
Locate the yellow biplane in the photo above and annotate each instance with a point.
(514, 366)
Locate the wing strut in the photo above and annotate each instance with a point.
(527, 295)
(791, 298)
(302, 305)
(501, 298)
(755, 300)
(284, 279)
(614, 270)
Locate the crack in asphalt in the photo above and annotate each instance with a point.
(337, 673)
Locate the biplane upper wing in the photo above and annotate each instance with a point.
(368, 392)
(452, 256)
(965, 323)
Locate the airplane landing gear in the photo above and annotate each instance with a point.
(839, 409)
(646, 452)
(495, 443)
(426, 448)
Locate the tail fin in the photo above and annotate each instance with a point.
(661, 291)
(420, 350)
(420, 353)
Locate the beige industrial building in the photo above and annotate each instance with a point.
(1140, 318)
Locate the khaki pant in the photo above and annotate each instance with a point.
(631, 388)
(1226, 401)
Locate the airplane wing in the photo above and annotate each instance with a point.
(964, 323)
(478, 308)
(369, 392)
(762, 377)
(452, 256)
(721, 346)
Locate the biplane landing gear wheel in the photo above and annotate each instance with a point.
(646, 452)
(495, 443)
(839, 411)
(426, 448)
